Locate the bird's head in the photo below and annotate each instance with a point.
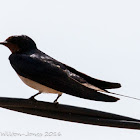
(19, 43)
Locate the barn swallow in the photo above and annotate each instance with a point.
(47, 75)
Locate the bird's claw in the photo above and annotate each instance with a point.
(55, 102)
(32, 99)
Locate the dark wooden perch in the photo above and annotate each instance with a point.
(69, 113)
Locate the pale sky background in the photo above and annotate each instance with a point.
(98, 37)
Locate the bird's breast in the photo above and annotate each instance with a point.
(38, 86)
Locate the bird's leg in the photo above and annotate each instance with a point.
(33, 97)
(55, 101)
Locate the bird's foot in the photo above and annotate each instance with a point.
(55, 102)
(32, 99)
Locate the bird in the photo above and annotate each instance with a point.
(47, 75)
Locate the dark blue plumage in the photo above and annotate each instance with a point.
(31, 63)
(43, 69)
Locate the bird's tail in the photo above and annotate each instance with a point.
(97, 96)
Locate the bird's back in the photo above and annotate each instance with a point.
(43, 69)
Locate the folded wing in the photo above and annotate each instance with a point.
(96, 82)
(51, 73)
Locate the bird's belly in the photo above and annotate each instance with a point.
(37, 86)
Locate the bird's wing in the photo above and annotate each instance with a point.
(54, 74)
(94, 82)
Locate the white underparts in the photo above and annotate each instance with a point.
(39, 87)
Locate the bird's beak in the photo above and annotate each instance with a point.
(4, 43)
